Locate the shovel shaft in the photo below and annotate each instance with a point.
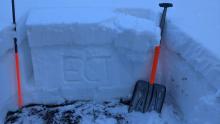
(155, 63)
(162, 22)
(157, 48)
(13, 14)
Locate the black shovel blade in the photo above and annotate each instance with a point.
(139, 96)
(147, 97)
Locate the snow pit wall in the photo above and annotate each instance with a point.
(189, 71)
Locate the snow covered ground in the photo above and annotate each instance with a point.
(87, 112)
(189, 63)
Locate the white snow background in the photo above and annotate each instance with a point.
(189, 62)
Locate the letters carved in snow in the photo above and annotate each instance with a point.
(88, 69)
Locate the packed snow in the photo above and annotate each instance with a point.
(97, 50)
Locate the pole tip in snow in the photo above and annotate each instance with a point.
(166, 5)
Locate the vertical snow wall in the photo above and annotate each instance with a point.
(191, 74)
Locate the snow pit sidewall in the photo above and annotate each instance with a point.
(188, 69)
(8, 92)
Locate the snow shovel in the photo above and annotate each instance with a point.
(149, 96)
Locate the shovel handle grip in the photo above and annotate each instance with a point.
(155, 63)
(166, 5)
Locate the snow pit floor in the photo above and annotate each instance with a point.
(88, 112)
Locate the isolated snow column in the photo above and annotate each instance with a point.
(18, 75)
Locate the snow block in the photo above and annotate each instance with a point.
(88, 54)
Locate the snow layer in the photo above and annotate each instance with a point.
(110, 24)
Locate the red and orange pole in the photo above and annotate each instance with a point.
(18, 75)
(17, 65)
